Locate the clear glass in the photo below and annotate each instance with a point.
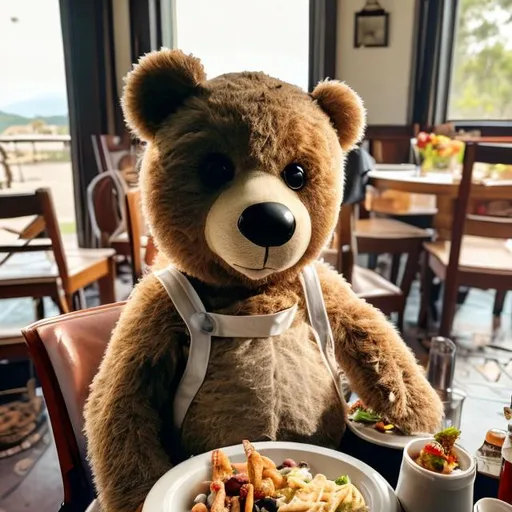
(481, 80)
(441, 364)
(452, 404)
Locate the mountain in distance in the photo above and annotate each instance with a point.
(39, 106)
(7, 120)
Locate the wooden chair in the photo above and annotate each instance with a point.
(471, 249)
(36, 267)
(142, 248)
(66, 352)
(12, 344)
(383, 235)
(366, 283)
(377, 235)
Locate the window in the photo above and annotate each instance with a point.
(238, 35)
(481, 81)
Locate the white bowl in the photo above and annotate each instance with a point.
(176, 490)
(421, 490)
(492, 505)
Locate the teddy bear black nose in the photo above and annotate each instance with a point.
(267, 224)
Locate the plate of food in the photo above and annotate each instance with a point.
(272, 477)
(375, 428)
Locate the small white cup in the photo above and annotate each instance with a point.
(421, 490)
(492, 505)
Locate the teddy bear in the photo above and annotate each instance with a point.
(239, 332)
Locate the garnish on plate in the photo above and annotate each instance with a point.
(359, 413)
(439, 456)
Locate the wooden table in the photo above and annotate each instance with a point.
(438, 184)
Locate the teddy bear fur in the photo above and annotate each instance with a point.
(260, 389)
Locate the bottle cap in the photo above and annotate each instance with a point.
(496, 437)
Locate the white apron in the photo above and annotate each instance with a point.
(202, 325)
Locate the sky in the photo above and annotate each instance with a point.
(228, 35)
(32, 54)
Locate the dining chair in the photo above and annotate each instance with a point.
(384, 235)
(471, 250)
(66, 351)
(366, 283)
(142, 248)
(42, 267)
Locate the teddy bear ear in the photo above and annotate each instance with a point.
(345, 109)
(157, 86)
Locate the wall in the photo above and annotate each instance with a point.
(380, 75)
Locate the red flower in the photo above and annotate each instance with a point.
(423, 139)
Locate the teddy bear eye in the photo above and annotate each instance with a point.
(294, 176)
(216, 170)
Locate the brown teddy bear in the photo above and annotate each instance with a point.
(246, 335)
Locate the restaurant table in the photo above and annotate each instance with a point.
(435, 183)
(482, 410)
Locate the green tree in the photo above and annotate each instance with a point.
(482, 65)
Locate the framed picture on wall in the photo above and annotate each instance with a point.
(371, 28)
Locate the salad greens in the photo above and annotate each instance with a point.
(365, 416)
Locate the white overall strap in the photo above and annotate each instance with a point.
(320, 322)
(203, 325)
(190, 307)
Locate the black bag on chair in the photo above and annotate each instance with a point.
(357, 166)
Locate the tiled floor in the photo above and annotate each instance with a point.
(41, 491)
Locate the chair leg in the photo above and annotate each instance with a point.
(395, 267)
(39, 308)
(411, 268)
(372, 261)
(449, 305)
(499, 302)
(427, 278)
(107, 284)
(78, 300)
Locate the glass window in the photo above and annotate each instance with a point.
(243, 35)
(481, 83)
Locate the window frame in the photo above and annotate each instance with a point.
(435, 38)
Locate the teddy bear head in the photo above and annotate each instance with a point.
(242, 175)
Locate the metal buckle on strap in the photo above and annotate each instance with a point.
(206, 323)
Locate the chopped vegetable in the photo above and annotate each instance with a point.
(439, 455)
(385, 428)
(342, 480)
(365, 416)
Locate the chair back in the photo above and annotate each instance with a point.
(456, 214)
(137, 229)
(342, 252)
(66, 351)
(455, 217)
(39, 205)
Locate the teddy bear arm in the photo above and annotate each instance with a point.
(381, 369)
(128, 397)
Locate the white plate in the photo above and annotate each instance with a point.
(176, 490)
(492, 505)
(368, 433)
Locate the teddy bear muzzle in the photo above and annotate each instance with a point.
(258, 226)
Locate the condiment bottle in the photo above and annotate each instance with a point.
(505, 488)
(489, 454)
